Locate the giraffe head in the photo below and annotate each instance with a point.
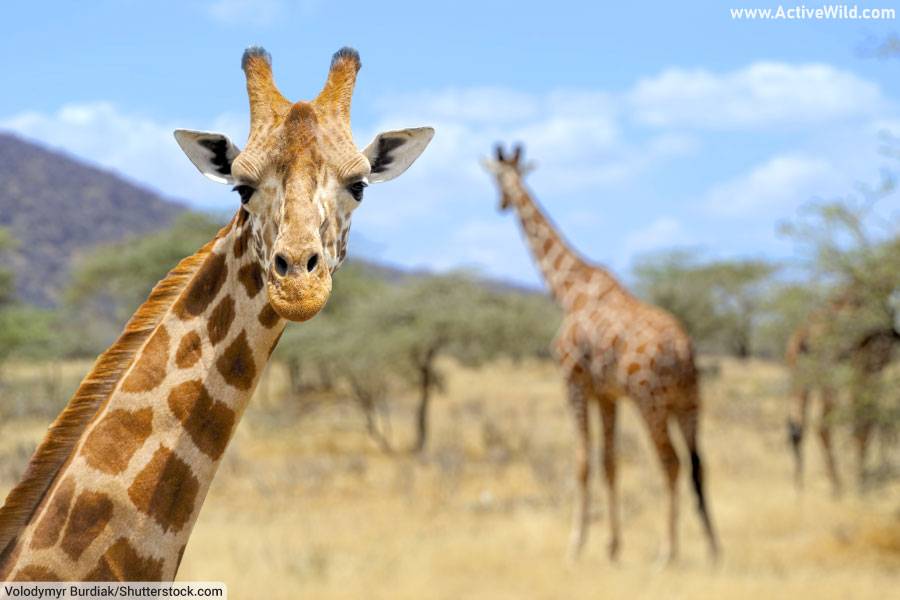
(300, 177)
(509, 170)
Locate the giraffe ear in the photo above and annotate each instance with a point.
(392, 152)
(211, 153)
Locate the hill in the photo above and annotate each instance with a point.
(57, 206)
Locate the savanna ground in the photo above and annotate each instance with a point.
(305, 505)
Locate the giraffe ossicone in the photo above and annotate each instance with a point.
(114, 489)
(611, 345)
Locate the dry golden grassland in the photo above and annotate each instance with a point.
(305, 505)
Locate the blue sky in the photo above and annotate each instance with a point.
(654, 125)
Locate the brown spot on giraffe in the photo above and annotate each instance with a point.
(190, 349)
(47, 531)
(220, 320)
(121, 562)
(242, 217)
(633, 368)
(268, 318)
(251, 277)
(242, 242)
(89, 517)
(114, 440)
(150, 369)
(580, 301)
(166, 490)
(208, 422)
(236, 364)
(36, 573)
(204, 287)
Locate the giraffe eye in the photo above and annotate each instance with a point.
(245, 192)
(356, 190)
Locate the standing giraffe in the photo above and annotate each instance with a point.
(611, 345)
(810, 359)
(113, 491)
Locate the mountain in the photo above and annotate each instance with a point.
(56, 206)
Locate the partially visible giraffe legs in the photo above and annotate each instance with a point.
(657, 423)
(864, 405)
(828, 405)
(608, 410)
(862, 432)
(687, 420)
(796, 429)
(579, 394)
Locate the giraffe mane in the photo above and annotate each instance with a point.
(97, 386)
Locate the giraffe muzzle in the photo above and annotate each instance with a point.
(298, 287)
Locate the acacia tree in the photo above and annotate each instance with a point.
(720, 303)
(25, 331)
(317, 346)
(853, 255)
(456, 316)
(110, 282)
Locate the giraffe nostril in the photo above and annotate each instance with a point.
(281, 265)
(311, 263)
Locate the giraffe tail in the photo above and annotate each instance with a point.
(687, 423)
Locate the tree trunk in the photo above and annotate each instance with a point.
(295, 375)
(425, 384)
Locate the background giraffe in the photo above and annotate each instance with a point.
(113, 491)
(812, 352)
(611, 345)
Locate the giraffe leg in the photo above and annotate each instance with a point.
(864, 406)
(796, 429)
(688, 423)
(862, 432)
(608, 410)
(657, 422)
(825, 438)
(578, 403)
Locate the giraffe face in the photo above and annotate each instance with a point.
(300, 177)
(509, 171)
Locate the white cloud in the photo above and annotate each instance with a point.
(575, 136)
(663, 232)
(779, 184)
(135, 146)
(761, 94)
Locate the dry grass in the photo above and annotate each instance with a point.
(305, 504)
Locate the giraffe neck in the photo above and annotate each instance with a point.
(123, 504)
(562, 267)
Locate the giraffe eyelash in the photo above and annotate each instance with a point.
(356, 189)
(244, 191)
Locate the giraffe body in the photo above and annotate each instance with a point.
(115, 488)
(867, 356)
(610, 346)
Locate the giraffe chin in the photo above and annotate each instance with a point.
(298, 302)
